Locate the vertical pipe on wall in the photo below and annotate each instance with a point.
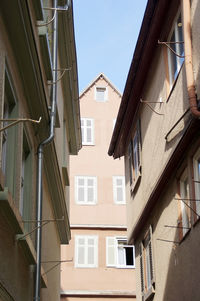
(40, 154)
(40, 161)
(188, 58)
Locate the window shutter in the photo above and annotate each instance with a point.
(130, 160)
(141, 268)
(111, 250)
(119, 189)
(139, 143)
(151, 256)
(80, 250)
(27, 208)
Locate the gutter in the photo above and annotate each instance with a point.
(188, 59)
(41, 146)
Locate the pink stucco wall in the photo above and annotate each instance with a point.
(94, 161)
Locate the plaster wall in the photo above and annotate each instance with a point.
(16, 273)
(100, 278)
(50, 250)
(156, 150)
(176, 266)
(16, 270)
(94, 161)
(97, 219)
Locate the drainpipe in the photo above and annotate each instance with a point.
(188, 58)
(40, 156)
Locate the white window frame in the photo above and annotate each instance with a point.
(86, 238)
(114, 248)
(84, 129)
(105, 94)
(115, 186)
(85, 185)
(177, 49)
(197, 182)
(184, 208)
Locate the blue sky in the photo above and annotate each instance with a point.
(106, 32)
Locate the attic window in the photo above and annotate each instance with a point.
(101, 94)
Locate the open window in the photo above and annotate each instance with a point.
(118, 253)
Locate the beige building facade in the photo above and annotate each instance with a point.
(157, 130)
(33, 170)
(100, 264)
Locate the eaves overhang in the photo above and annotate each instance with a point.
(68, 59)
(154, 18)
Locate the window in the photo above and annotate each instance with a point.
(119, 254)
(9, 135)
(146, 265)
(85, 190)
(196, 167)
(86, 251)
(87, 129)
(119, 189)
(184, 202)
(26, 183)
(176, 43)
(101, 94)
(134, 156)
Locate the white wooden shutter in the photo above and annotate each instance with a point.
(111, 251)
(141, 268)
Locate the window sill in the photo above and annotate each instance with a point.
(9, 210)
(171, 89)
(147, 296)
(86, 204)
(184, 236)
(196, 221)
(136, 182)
(65, 175)
(124, 268)
(86, 267)
(2, 180)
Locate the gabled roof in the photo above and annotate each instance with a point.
(101, 75)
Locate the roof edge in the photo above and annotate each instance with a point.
(101, 75)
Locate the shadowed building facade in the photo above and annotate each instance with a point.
(157, 130)
(29, 86)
